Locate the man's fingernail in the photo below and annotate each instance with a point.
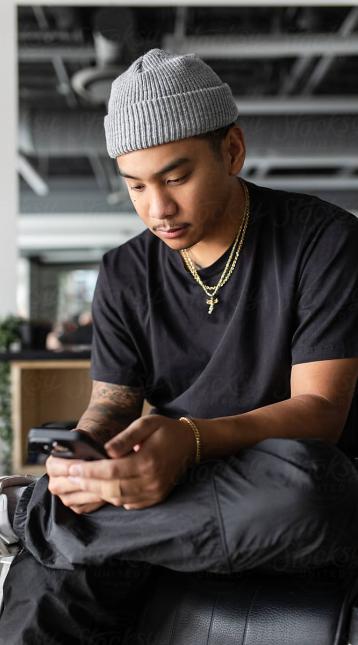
(74, 480)
(75, 470)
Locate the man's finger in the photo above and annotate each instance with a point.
(57, 466)
(134, 435)
(114, 491)
(62, 485)
(103, 488)
(79, 498)
(123, 468)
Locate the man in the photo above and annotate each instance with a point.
(235, 316)
(75, 332)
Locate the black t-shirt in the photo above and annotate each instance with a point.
(292, 298)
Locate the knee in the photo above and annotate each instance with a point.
(296, 498)
(320, 474)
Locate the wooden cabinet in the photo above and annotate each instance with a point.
(44, 391)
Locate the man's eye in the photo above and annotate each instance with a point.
(138, 187)
(177, 180)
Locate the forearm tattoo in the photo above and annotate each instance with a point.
(111, 409)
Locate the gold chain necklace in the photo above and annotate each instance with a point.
(211, 291)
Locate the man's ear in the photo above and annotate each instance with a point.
(235, 151)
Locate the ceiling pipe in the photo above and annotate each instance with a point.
(72, 134)
(114, 38)
(31, 176)
(331, 105)
(275, 46)
(61, 134)
(113, 34)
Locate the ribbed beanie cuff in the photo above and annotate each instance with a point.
(162, 98)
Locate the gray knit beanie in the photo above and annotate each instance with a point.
(163, 97)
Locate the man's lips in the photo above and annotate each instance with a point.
(174, 231)
(172, 228)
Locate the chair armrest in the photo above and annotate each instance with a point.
(11, 489)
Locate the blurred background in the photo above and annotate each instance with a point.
(293, 69)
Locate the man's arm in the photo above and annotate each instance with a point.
(321, 395)
(111, 409)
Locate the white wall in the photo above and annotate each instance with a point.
(8, 188)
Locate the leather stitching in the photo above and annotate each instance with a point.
(211, 619)
(248, 614)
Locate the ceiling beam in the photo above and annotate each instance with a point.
(302, 161)
(298, 105)
(309, 183)
(302, 64)
(294, 75)
(324, 64)
(63, 231)
(42, 53)
(244, 46)
(199, 3)
(260, 104)
(275, 46)
(31, 176)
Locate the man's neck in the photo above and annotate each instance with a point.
(206, 252)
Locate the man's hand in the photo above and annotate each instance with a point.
(76, 499)
(146, 460)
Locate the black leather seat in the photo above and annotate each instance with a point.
(251, 609)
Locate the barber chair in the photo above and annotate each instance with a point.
(252, 609)
(319, 607)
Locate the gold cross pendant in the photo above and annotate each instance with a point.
(211, 302)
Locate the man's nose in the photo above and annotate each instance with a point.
(161, 205)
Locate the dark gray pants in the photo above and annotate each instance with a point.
(280, 506)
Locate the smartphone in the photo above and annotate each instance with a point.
(69, 444)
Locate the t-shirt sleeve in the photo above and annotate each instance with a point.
(326, 307)
(115, 357)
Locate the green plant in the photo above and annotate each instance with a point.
(9, 333)
(5, 415)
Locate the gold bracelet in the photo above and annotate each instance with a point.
(194, 428)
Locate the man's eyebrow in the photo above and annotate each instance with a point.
(170, 166)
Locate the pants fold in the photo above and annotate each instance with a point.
(281, 503)
(280, 506)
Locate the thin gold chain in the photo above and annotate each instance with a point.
(211, 291)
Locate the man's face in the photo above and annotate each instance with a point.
(180, 190)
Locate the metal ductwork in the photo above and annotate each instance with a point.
(114, 35)
(59, 134)
(78, 134)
